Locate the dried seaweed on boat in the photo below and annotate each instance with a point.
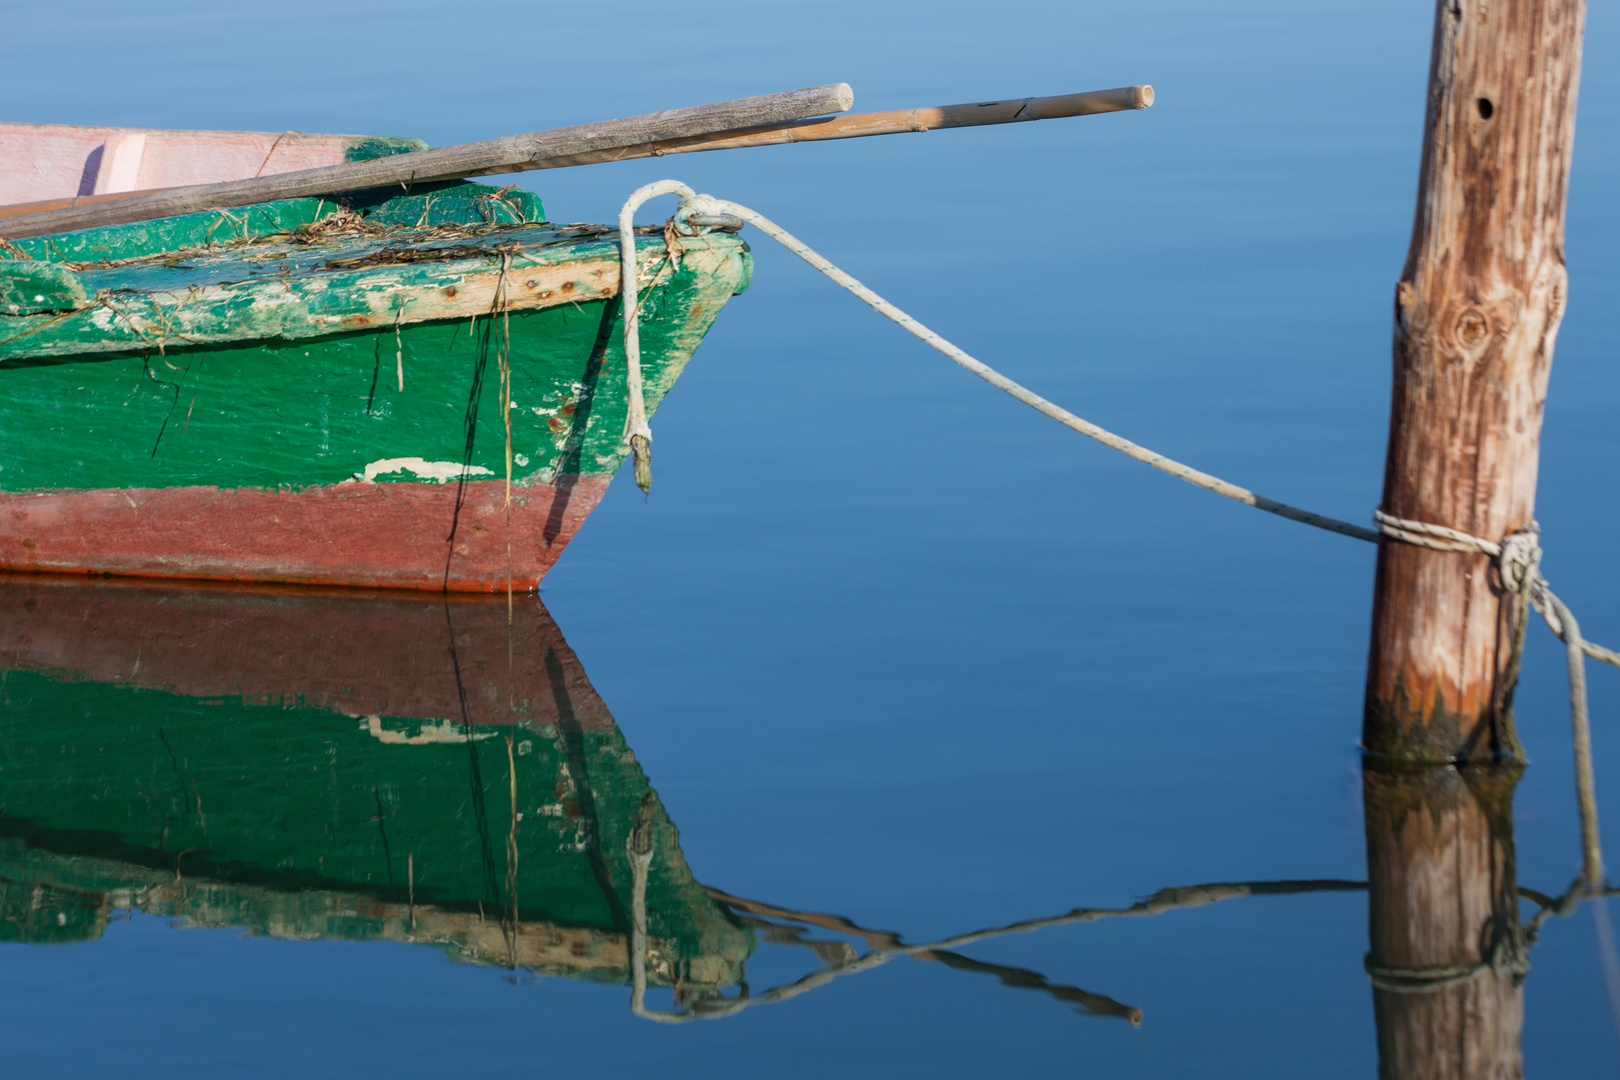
(347, 227)
(341, 224)
(390, 256)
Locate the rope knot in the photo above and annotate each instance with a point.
(1509, 954)
(1520, 559)
(701, 206)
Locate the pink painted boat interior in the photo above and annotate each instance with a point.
(59, 161)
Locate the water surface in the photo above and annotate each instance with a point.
(884, 644)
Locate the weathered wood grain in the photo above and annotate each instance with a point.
(1477, 310)
(227, 306)
(511, 153)
(313, 307)
(1442, 901)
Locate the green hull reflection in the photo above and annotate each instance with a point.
(330, 766)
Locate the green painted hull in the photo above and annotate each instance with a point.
(243, 759)
(285, 373)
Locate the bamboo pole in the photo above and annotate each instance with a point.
(894, 122)
(815, 129)
(1477, 309)
(508, 154)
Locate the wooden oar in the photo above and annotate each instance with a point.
(509, 154)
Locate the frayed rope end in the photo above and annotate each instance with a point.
(641, 454)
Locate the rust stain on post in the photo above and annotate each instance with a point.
(1476, 314)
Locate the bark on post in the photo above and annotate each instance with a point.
(1476, 312)
(1447, 954)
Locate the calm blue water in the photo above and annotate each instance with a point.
(888, 644)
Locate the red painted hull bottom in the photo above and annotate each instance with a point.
(454, 536)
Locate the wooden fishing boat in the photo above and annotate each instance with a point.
(313, 390)
(310, 764)
(419, 383)
(57, 165)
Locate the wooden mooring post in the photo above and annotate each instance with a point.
(1477, 309)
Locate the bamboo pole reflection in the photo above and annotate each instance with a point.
(885, 945)
(1448, 956)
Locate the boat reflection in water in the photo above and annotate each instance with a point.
(368, 767)
(331, 766)
(440, 771)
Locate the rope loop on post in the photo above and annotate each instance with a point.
(1421, 980)
(1518, 558)
(1434, 537)
(1507, 958)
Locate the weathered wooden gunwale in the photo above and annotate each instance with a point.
(294, 286)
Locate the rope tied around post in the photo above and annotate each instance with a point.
(1422, 980)
(708, 211)
(1517, 556)
(1518, 559)
(1507, 957)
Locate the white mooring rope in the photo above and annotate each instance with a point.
(636, 429)
(1517, 556)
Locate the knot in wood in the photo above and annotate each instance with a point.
(1406, 308)
(1473, 328)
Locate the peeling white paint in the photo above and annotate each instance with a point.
(439, 471)
(428, 734)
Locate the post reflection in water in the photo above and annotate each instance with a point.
(385, 767)
(1448, 955)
